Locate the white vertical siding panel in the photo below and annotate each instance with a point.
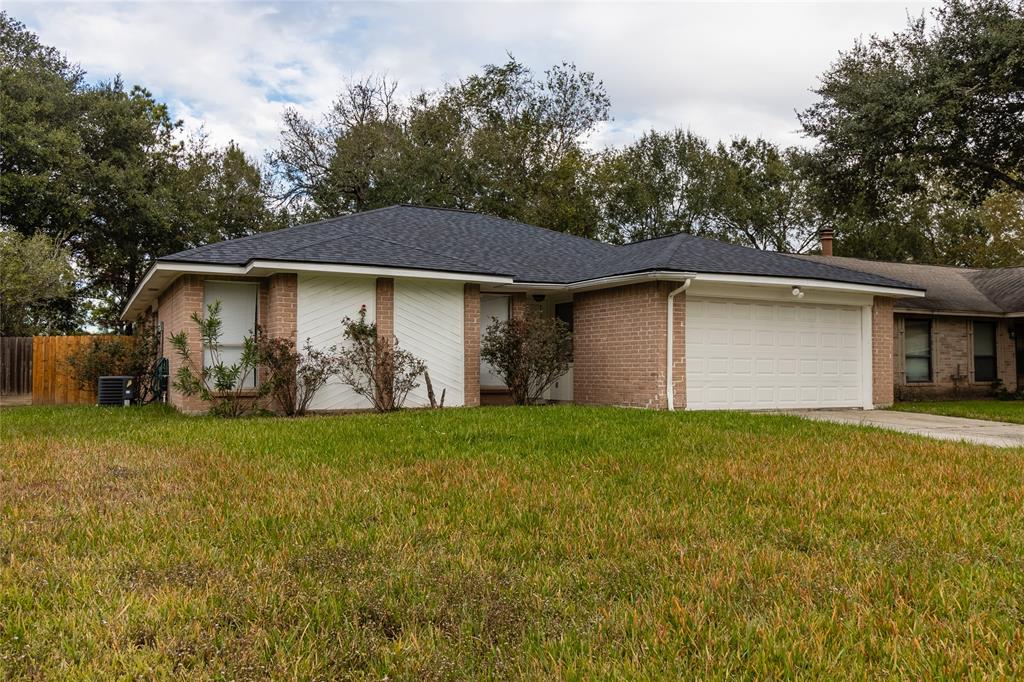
(428, 324)
(323, 300)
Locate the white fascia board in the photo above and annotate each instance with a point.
(761, 280)
(371, 270)
(266, 267)
(601, 282)
(748, 280)
(951, 313)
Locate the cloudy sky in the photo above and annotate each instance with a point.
(720, 69)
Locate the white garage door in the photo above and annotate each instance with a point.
(752, 355)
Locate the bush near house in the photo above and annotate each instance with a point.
(503, 543)
(295, 376)
(137, 356)
(229, 388)
(375, 367)
(530, 353)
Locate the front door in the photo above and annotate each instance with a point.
(493, 307)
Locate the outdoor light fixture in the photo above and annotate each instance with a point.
(798, 292)
(538, 297)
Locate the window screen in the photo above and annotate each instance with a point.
(918, 345)
(238, 320)
(984, 351)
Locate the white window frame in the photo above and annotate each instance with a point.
(253, 378)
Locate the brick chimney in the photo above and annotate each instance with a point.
(825, 236)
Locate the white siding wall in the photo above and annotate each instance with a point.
(323, 300)
(428, 324)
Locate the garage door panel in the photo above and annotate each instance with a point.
(744, 355)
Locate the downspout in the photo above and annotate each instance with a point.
(669, 388)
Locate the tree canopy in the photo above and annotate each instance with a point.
(916, 153)
(104, 172)
(917, 130)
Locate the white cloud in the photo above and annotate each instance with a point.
(721, 70)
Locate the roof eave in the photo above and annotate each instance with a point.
(144, 295)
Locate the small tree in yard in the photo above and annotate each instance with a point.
(217, 383)
(376, 368)
(529, 353)
(296, 376)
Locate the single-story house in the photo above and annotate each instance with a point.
(670, 323)
(965, 335)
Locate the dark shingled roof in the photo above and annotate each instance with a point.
(1003, 286)
(947, 288)
(424, 238)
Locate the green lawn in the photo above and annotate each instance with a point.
(992, 410)
(558, 542)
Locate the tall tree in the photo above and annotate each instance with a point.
(104, 170)
(41, 115)
(36, 281)
(760, 197)
(934, 109)
(659, 185)
(503, 141)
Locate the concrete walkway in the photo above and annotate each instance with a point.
(999, 434)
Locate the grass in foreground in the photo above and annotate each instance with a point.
(557, 542)
(991, 410)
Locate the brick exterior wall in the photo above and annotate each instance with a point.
(176, 305)
(952, 359)
(620, 346)
(385, 310)
(276, 310)
(471, 344)
(521, 303)
(881, 352)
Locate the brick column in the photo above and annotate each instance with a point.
(176, 305)
(280, 318)
(471, 345)
(518, 305)
(385, 307)
(881, 352)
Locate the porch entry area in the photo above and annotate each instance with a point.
(493, 308)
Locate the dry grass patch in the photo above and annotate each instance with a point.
(541, 542)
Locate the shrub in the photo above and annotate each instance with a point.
(295, 377)
(529, 353)
(376, 368)
(217, 383)
(136, 357)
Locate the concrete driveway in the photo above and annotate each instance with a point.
(999, 434)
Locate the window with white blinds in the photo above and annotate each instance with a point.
(238, 320)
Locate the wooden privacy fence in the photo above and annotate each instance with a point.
(15, 365)
(53, 382)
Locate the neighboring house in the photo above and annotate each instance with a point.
(966, 334)
(678, 322)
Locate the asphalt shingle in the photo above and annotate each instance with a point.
(999, 290)
(427, 238)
